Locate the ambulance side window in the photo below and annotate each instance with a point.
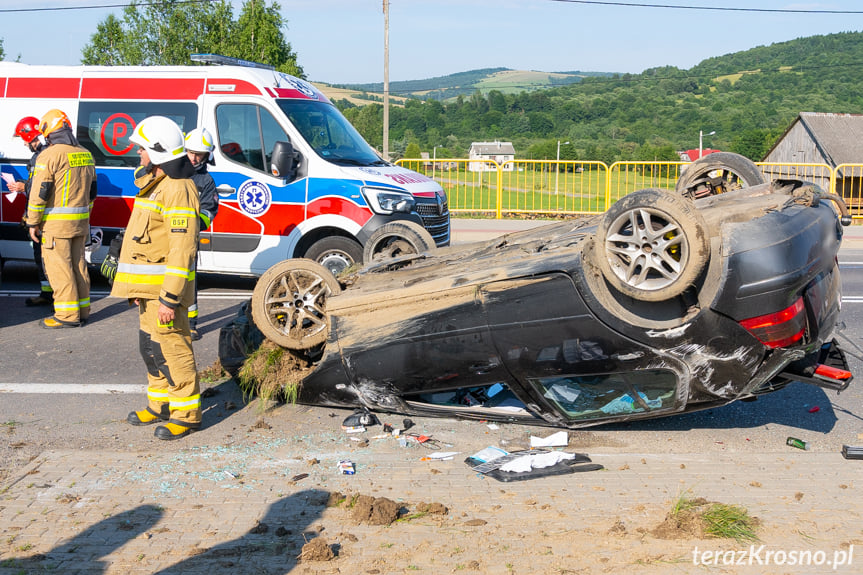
(104, 127)
(246, 134)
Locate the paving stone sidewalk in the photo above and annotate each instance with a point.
(248, 506)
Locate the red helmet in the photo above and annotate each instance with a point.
(27, 129)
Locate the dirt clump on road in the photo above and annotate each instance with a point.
(317, 550)
(375, 510)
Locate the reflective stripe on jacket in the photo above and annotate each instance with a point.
(59, 198)
(157, 260)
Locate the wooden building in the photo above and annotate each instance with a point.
(835, 140)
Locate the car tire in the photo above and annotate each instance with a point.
(289, 303)
(652, 245)
(397, 239)
(336, 253)
(733, 172)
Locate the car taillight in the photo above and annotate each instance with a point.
(779, 329)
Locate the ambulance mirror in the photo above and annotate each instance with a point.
(283, 164)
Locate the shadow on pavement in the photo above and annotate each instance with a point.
(82, 553)
(271, 546)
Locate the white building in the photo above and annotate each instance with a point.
(482, 154)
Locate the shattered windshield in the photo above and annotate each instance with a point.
(328, 132)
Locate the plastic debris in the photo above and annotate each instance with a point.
(852, 452)
(815, 409)
(346, 467)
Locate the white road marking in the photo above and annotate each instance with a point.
(82, 388)
(237, 295)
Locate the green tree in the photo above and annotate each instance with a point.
(259, 37)
(168, 32)
(413, 150)
(2, 52)
(108, 45)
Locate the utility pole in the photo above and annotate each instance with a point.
(387, 80)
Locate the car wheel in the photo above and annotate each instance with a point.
(397, 239)
(289, 303)
(717, 173)
(651, 245)
(336, 253)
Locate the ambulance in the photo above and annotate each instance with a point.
(295, 179)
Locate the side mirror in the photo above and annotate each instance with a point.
(283, 164)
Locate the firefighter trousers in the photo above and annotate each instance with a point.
(172, 376)
(66, 269)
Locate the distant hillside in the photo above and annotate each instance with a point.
(451, 86)
(747, 98)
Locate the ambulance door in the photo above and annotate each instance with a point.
(104, 128)
(257, 211)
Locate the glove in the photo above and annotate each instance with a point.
(112, 260)
(109, 267)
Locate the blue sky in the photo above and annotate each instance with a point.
(342, 41)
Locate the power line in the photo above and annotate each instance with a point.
(94, 7)
(713, 8)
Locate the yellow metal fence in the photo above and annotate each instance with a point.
(561, 188)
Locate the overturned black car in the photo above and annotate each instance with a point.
(662, 305)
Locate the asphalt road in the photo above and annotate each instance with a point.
(54, 382)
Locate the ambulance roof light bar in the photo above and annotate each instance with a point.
(228, 61)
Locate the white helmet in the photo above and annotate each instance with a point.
(199, 140)
(161, 137)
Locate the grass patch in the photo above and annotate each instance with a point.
(696, 518)
(729, 522)
(272, 373)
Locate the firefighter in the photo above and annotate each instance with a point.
(28, 130)
(199, 148)
(156, 271)
(62, 190)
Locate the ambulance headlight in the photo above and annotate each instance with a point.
(388, 201)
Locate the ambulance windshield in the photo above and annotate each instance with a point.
(328, 132)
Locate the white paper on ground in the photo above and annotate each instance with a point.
(559, 439)
(536, 461)
(444, 454)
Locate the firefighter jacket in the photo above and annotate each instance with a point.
(62, 189)
(157, 260)
(206, 194)
(31, 169)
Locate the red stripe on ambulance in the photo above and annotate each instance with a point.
(42, 88)
(141, 88)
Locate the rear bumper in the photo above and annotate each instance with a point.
(827, 368)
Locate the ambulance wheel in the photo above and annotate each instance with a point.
(397, 239)
(336, 253)
(289, 303)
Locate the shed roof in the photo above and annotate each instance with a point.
(839, 137)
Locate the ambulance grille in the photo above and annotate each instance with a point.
(435, 221)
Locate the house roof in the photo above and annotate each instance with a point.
(839, 137)
(492, 148)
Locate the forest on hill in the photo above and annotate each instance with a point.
(747, 98)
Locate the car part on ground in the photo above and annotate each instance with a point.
(397, 239)
(718, 173)
(652, 245)
(288, 303)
